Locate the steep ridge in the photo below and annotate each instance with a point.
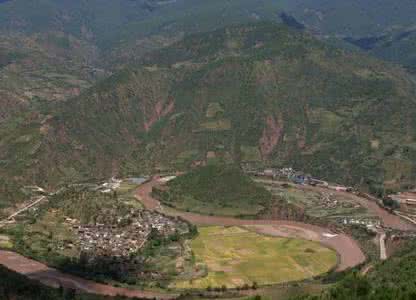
(248, 93)
(52, 50)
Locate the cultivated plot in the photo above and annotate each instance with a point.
(234, 257)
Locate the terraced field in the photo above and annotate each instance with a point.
(235, 256)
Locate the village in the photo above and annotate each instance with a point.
(296, 177)
(128, 235)
(326, 202)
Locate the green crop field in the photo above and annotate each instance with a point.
(235, 256)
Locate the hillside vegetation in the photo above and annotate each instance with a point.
(53, 50)
(216, 189)
(249, 93)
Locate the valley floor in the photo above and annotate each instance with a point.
(348, 250)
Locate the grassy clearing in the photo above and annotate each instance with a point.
(235, 256)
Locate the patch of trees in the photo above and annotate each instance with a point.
(216, 186)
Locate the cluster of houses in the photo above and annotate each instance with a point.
(128, 235)
(295, 177)
(369, 223)
(111, 185)
(330, 202)
(327, 201)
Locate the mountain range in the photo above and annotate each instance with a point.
(247, 93)
(93, 88)
(223, 94)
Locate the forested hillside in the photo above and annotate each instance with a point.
(247, 93)
(53, 50)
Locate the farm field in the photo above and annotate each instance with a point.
(5, 242)
(125, 193)
(319, 203)
(235, 256)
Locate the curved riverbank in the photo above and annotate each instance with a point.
(348, 249)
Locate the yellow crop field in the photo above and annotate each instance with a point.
(235, 256)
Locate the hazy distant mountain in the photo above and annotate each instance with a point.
(354, 18)
(385, 28)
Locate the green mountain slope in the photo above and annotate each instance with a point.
(250, 93)
(42, 68)
(215, 189)
(110, 22)
(67, 45)
(52, 50)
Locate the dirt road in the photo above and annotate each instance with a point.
(51, 277)
(12, 216)
(383, 252)
(348, 250)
